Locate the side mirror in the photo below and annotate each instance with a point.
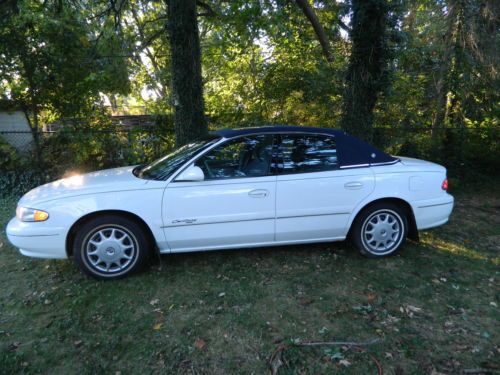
(192, 173)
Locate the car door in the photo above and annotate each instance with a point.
(315, 197)
(233, 206)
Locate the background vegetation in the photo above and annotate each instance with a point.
(418, 78)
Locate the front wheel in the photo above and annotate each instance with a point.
(380, 230)
(110, 247)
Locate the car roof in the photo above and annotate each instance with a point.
(353, 152)
(231, 133)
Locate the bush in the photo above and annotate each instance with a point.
(9, 157)
(17, 183)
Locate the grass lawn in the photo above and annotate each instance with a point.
(434, 307)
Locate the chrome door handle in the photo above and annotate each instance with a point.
(353, 185)
(259, 193)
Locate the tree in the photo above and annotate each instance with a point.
(51, 63)
(468, 57)
(366, 73)
(187, 86)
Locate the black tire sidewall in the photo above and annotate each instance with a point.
(367, 212)
(119, 222)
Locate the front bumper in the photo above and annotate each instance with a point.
(38, 241)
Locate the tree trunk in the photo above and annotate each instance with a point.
(442, 99)
(35, 133)
(187, 87)
(366, 74)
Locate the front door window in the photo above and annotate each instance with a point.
(243, 157)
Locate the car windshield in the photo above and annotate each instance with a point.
(163, 168)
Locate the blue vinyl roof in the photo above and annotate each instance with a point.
(353, 152)
(230, 133)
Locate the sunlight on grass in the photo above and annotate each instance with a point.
(454, 248)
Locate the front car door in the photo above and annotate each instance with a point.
(315, 197)
(234, 206)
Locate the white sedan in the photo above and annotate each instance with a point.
(235, 189)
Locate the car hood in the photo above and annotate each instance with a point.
(109, 180)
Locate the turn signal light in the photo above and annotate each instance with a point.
(40, 215)
(444, 185)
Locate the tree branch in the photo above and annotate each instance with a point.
(308, 11)
(209, 12)
(343, 25)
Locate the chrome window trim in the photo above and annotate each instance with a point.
(354, 166)
(387, 162)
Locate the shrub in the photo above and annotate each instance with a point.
(9, 157)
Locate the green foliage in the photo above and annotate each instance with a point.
(17, 183)
(268, 66)
(54, 61)
(96, 144)
(9, 157)
(433, 88)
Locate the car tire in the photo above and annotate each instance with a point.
(111, 247)
(380, 230)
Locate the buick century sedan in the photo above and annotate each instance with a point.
(237, 188)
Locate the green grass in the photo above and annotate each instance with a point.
(240, 305)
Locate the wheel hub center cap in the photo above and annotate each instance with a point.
(110, 250)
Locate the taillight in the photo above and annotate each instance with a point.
(444, 185)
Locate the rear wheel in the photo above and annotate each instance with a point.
(110, 247)
(380, 230)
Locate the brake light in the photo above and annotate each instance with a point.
(444, 185)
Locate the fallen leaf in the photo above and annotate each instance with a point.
(222, 294)
(304, 301)
(157, 326)
(344, 362)
(13, 347)
(414, 308)
(200, 343)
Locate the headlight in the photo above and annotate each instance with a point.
(30, 214)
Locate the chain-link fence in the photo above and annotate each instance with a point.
(459, 149)
(116, 143)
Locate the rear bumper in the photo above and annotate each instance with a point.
(434, 212)
(36, 241)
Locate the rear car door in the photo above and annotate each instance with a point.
(314, 196)
(235, 204)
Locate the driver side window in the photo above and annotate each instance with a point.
(242, 157)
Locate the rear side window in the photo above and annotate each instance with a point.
(304, 153)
